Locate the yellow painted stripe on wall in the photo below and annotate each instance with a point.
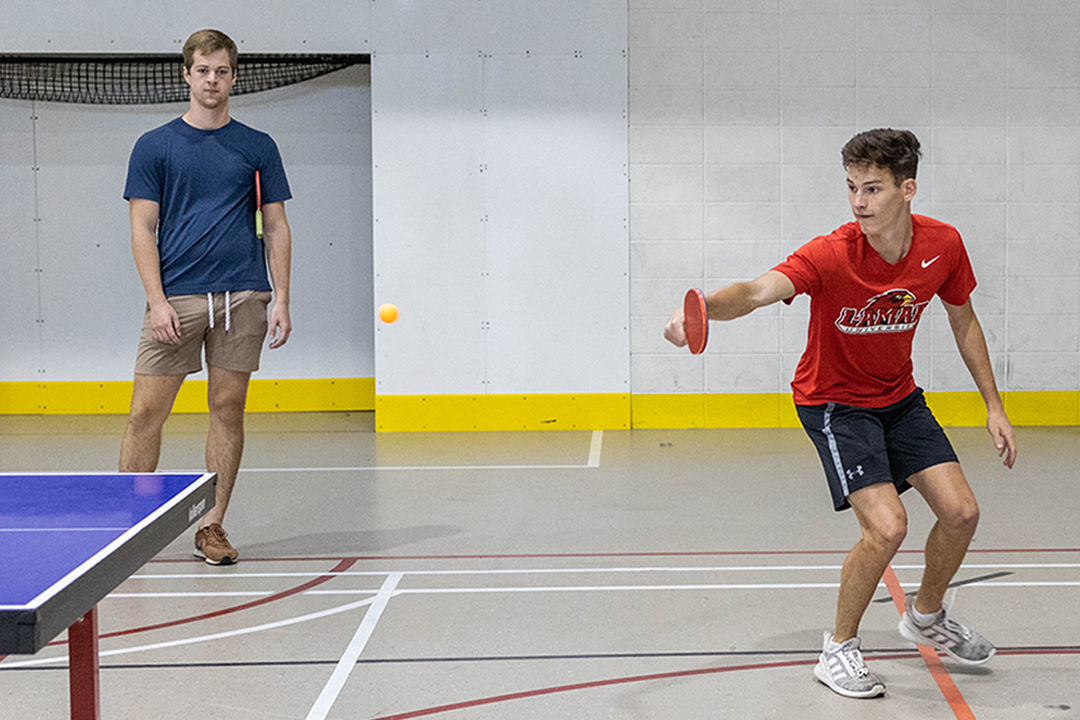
(958, 409)
(463, 413)
(20, 397)
(668, 411)
(770, 410)
(114, 397)
(1043, 408)
(594, 411)
(743, 410)
(314, 395)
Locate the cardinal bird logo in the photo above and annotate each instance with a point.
(890, 312)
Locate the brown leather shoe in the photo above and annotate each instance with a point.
(212, 546)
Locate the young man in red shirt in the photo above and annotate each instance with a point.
(869, 283)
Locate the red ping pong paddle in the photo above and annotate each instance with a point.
(258, 207)
(696, 319)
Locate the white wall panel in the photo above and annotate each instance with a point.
(19, 295)
(323, 130)
(500, 142)
(427, 152)
(556, 138)
(502, 26)
(92, 300)
(555, 26)
(418, 26)
(128, 26)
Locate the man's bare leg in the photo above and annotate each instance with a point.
(948, 494)
(883, 521)
(226, 397)
(152, 399)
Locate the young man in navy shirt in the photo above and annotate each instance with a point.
(191, 192)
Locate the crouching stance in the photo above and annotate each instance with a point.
(869, 282)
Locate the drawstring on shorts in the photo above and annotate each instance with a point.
(228, 310)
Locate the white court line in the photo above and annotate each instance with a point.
(1032, 583)
(345, 665)
(628, 588)
(238, 593)
(570, 571)
(201, 638)
(600, 588)
(1002, 565)
(509, 571)
(379, 468)
(595, 445)
(369, 601)
(618, 588)
(63, 529)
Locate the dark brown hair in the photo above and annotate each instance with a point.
(895, 150)
(207, 42)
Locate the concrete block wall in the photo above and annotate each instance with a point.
(738, 110)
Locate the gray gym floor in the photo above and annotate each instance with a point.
(634, 574)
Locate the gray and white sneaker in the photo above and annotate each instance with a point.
(844, 671)
(959, 642)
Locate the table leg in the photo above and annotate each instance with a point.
(83, 668)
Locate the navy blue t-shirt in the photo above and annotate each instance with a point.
(204, 182)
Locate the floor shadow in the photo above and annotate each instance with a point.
(360, 542)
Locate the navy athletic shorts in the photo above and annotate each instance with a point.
(865, 446)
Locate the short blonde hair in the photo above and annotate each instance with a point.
(206, 42)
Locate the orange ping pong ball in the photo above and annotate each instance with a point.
(388, 313)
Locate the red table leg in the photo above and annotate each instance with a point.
(83, 668)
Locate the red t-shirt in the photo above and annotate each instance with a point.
(864, 311)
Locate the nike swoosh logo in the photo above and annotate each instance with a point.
(928, 263)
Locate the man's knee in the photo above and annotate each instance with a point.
(227, 395)
(227, 407)
(147, 419)
(151, 402)
(949, 495)
(881, 515)
(888, 532)
(962, 517)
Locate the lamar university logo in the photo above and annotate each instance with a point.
(890, 312)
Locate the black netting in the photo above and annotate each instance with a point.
(147, 79)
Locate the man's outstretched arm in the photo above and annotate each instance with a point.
(734, 301)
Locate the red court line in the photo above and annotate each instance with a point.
(526, 556)
(669, 675)
(937, 669)
(587, 685)
(343, 565)
(606, 683)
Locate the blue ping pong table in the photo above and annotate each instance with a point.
(69, 539)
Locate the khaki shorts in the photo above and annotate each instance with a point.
(236, 348)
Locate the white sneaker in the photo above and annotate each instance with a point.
(844, 671)
(958, 641)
